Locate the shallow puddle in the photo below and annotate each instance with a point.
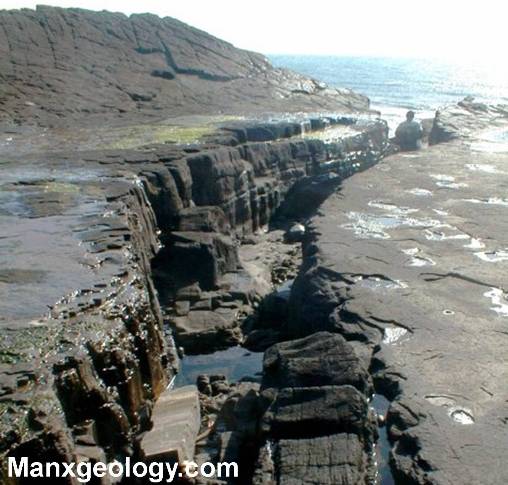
(475, 244)
(461, 416)
(447, 181)
(382, 451)
(374, 282)
(499, 301)
(393, 334)
(420, 192)
(442, 178)
(458, 414)
(482, 167)
(493, 256)
(375, 226)
(234, 363)
(394, 209)
(451, 185)
(440, 212)
(441, 236)
(416, 260)
(489, 200)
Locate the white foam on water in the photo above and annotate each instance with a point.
(490, 200)
(482, 167)
(498, 298)
(475, 243)
(393, 334)
(411, 251)
(420, 192)
(461, 416)
(493, 256)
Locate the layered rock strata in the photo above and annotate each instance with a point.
(79, 382)
(318, 427)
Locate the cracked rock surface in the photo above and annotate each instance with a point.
(408, 260)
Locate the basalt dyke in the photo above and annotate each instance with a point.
(114, 258)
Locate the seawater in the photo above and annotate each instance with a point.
(395, 85)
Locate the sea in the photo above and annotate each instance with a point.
(395, 85)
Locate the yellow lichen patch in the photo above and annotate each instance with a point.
(331, 133)
(61, 188)
(146, 134)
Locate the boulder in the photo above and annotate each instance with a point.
(303, 412)
(203, 330)
(322, 359)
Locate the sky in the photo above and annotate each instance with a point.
(448, 29)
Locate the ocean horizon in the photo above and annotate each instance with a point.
(395, 85)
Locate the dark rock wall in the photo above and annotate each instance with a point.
(234, 191)
(108, 351)
(317, 422)
(85, 386)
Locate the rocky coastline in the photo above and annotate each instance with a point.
(164, 234)
(361, 288)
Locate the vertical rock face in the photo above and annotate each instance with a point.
(318, 421)
(80, 382)
(235, 190)
(60, 64)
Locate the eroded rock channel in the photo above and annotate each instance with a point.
(218, 228)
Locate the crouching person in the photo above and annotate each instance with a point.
(409, 133)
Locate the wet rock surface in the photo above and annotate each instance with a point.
(83, 355)
(406, 262)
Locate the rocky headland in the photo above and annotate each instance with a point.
(167, 198)
(58, 65)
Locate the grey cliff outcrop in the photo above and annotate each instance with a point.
(62, 64)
